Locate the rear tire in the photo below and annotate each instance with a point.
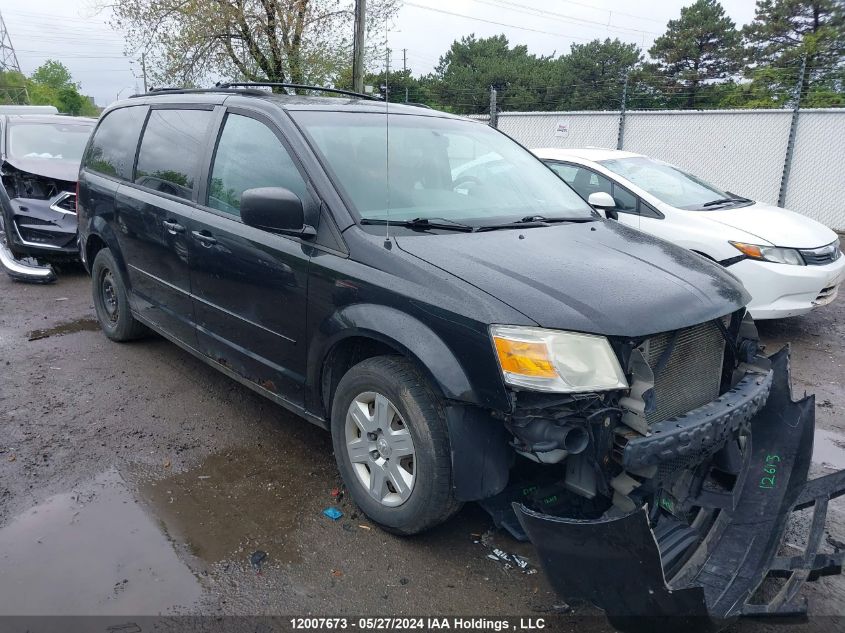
(388, 425)
(111, 301)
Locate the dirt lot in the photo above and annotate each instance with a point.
(136, 480)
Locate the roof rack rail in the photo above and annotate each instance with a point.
(277, 84)
(159, 91)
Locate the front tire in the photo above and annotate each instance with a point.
(111, 301)
(392, 446)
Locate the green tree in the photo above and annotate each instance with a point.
(52, 84)
(53, 74)
(785, 32)
(701, 47)
(13, 88)
(463, 77)
(592, 75)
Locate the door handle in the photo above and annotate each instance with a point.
(204, 238)
(173, 227)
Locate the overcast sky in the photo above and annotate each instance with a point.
(71, 31)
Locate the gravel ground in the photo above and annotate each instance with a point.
(136, 480)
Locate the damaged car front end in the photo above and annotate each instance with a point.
(649, 449)
(669, 498)
(39, 165)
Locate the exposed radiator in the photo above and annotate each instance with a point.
(691, 375)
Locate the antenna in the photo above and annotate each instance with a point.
(387, 243)
(9, 62)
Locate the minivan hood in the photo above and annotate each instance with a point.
(598, 277)
(57, 169)
(777, 226)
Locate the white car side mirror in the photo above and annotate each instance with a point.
(603, 200)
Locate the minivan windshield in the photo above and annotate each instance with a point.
(448, 170)
(671, 185)
(49, 141)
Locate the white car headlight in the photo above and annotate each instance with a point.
(773, 254)
(552, 360)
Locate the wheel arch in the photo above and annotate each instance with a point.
(99, 237)
(361, 331)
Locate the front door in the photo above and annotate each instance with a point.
(152, 215)
(249, 285)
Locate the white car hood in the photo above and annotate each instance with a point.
(777, 226)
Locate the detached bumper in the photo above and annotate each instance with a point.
(616, 563)
(22, 270)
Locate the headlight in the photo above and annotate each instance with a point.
(552, 360)
(770, 253)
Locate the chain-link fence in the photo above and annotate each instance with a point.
(743, 151)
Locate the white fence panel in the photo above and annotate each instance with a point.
(561, 129)
(816, 185)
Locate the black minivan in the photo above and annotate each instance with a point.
(468, 329)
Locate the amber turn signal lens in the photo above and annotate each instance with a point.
(524, 358)
(748, 249)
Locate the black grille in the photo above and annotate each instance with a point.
(821, 256)
(691, 375)
(31, 221)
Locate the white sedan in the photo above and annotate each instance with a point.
(789, 263)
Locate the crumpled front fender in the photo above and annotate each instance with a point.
(616, 564)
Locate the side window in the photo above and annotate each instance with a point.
(648, 211)
(625, 200)
(566, 172)
(112, 148)
(249, 155)
(586, 182)
(171, 150)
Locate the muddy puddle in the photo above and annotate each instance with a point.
(829, 449)
(233, 504)
(93, 551)
(69, 327)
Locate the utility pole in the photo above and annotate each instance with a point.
(405, 71)
(144, 69)
(620, 137)
(387, 76)
(494, 115)
(358, 46)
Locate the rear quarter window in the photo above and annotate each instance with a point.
(112, 148)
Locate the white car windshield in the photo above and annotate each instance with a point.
(439, 169)
(48, 141)
(671, 185)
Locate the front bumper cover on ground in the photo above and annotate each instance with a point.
(23, 270)
(616, 563)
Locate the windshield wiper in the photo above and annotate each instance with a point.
(531, 221)
(718, 201)
(424, 223)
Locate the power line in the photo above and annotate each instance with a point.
(561, 17)
(505, 24)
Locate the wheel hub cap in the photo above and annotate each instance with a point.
(380, 448)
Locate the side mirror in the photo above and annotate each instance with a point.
(603, 200)
(275, 209)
